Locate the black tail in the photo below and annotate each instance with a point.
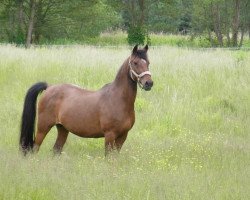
(29, 115)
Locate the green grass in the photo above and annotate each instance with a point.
(191, 139)
(120, 38)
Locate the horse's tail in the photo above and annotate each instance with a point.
(29, 115)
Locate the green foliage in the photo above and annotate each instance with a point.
(20, 37)
(138, 35)
(163, 16)
(77, 21)
(217, 17)
(80, 21)
(82, 25)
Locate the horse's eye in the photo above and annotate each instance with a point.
(135, 63)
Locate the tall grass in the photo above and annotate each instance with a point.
(120, 38)
(191, 139)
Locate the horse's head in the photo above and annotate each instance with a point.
(139, 70)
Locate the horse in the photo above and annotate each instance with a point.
(107, 112)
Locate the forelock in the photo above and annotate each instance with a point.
(141, 54)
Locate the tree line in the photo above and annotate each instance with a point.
(221, 22)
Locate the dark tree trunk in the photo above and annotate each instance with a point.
(249, 31)
(217, 23)
(210, 38)
(20, 14)
(242, 36)
(228, 38)
(132, 11)
(39, 21)
(142, 8)
(236, 22)
(31, 23)
(227, 24)
(20, 33)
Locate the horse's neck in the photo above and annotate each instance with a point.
(125, 86)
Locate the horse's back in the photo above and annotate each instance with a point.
(56, 94)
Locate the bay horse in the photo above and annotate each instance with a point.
(108, 112)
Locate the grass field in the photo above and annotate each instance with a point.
(191, 139)
(119, 38)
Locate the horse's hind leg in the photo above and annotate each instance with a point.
(44, 123)
(39, 139)
(61, 139)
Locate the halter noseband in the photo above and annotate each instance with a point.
(138, 76)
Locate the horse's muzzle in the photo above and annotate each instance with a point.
(148, 85)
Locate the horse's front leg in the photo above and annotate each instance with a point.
(112, 142)
(109, 142)
(120, 140)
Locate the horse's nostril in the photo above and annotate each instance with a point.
(149, 83)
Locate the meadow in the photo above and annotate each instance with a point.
(119, 38)
(191, 138)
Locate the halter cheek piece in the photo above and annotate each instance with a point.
(138, 76)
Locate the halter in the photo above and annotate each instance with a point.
(138, 76)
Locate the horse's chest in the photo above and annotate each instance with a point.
(127, 123)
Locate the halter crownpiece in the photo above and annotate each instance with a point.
(138, 76)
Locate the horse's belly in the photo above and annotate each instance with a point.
(88, 135)
(83, 122)
(83, 127)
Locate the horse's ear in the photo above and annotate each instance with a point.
(146, 48)
(135, 49)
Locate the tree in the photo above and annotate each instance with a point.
(136, 21)
(27, 21)
(224, 18)
(244, 20)
(12, 20)
(31, 22)
(222, 22)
